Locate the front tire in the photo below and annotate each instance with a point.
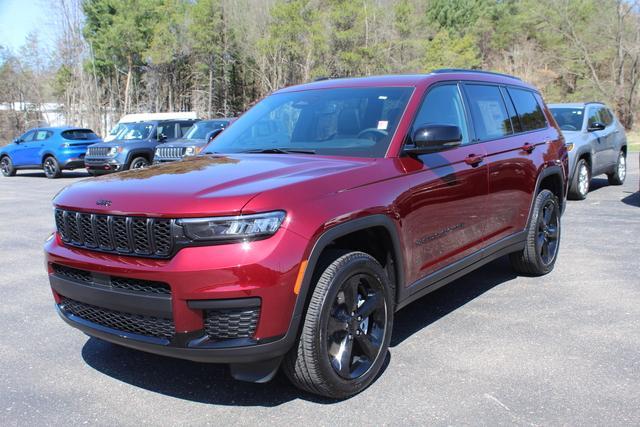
(346, 330)
(581, 180)
(6, 166)
(543, 238)
(51, 168)
(620, 172)
(139, 163)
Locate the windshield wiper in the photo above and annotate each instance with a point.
(280, 151)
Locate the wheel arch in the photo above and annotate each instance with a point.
(46, 154)
(140, 152)
(551, 178)
(352, 235)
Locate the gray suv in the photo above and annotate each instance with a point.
(596, 143)
(134, 145)
(192, 142)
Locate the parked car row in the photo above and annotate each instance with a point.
(134, 144)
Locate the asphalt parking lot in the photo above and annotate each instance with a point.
(489, 349)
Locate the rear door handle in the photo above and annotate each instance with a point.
(473, 160)
(528, 148)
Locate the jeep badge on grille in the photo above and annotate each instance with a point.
(103, 202)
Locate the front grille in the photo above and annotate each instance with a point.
(150, 237)
(115, 282)
(231, 323)
(127, 322)
(170, 152)
(98, 151)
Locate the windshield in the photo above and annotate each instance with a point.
(568, 118)
(201, 129)
(131, 131)
(355, 122)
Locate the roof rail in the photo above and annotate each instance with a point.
(464, 70)
(319, 79)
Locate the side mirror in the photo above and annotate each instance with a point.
(211, 135)
(162, 137)
(596, 126)
(433, 138)
(17, 140)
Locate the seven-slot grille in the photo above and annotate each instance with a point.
(170, 152)
(150, 237)
(98, 151)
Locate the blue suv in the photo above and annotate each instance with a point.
(51, 149)
(134, 145)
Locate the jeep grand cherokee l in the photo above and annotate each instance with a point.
(325, 208)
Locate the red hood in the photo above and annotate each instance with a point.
(202, 186)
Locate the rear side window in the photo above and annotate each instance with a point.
(79, 134)
(528, 109)
(488, 111)
(41, 135)
(184, 127)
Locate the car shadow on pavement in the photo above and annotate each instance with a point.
(64, 175)
(212, 383)
(632, 199)
(428, 309)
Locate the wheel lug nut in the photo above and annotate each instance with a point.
(359, 318)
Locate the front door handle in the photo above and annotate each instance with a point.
(473, 160)
(528, 148)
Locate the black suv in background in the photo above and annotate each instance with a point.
(193, 141)
(134, 146)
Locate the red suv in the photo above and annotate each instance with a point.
(300, 231)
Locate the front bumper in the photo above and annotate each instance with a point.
(103, 164)
(202, 280)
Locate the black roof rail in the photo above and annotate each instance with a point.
(595, 102)
(319, 79)
(464, 70)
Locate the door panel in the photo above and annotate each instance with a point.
(444, 208)
(600, 144)
(20, 155)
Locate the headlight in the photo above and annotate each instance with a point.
(192, 150)
(113, 151)
(243, 227)
(569, 146)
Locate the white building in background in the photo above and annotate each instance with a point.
(51, 111)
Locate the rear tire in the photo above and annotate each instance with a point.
(51, 167)
(620, 172)
(543, 238)
(347, 328)
(139, 163)
(581, 180)
(6, 166)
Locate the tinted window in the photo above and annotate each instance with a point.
(568, 118)
(167, 129)
(443, 106)
(515, 120)
(79, 134)
(340, 121)
(531, 116)
(489, 113)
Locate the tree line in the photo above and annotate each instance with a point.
(218, 57)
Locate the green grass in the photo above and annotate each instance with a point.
(633, 138)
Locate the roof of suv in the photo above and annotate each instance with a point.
(409, 80)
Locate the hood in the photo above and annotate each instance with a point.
(577, 138)
(184, 143)
(205, 185)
